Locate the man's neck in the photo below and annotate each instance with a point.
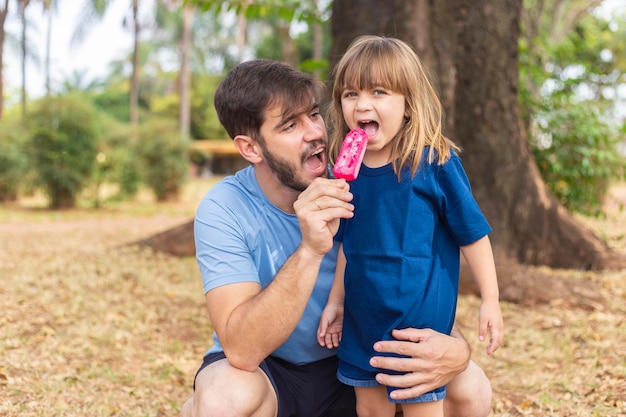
(276, 192)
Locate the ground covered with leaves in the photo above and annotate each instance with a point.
(90, 325)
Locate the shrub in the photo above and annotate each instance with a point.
(164, 158)
(13, 159)
(64, 135)
(577, 154)
(116, 163)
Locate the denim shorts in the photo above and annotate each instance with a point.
(309, 390)
(437, 394)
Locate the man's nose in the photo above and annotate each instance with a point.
(313, 130)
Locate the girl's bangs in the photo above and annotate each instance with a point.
(377, 71)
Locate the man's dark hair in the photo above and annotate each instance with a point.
(253, 87)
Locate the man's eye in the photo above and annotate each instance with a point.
(288, 126)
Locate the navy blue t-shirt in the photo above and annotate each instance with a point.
(403, 256)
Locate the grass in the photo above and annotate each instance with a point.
(91, 326)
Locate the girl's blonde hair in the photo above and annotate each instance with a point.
(374, 61)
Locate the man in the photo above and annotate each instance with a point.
(264, 245)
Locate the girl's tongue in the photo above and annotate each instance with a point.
(370, 128)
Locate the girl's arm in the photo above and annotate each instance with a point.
(331, 321)
(479, 257)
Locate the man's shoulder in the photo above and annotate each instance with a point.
(234, 186)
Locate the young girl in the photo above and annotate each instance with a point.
(414, 210)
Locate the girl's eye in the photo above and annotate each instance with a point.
(349, 94)
(379, 92)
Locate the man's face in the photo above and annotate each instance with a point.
(294, 145)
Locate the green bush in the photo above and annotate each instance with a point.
(13, 159)
(163, 158)
(117, 163)
(64, 143)
(577, 154)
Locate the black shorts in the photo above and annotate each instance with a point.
(310, 390)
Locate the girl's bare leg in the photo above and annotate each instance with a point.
(373, 402)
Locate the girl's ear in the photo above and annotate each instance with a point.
(248, 148)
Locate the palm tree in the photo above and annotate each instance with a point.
(3, 16)
(23, 4)
(48, 6)
(94, 10)
(134, 78)
(185, 71)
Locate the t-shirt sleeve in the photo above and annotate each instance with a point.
(222, 252)
(463, 216)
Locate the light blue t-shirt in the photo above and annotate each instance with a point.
(241, 236)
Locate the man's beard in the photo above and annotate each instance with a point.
(284, 170)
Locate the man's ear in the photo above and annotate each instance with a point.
(248, 148)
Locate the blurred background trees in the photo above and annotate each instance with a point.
(571, 84)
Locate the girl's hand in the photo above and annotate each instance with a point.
(331, 326)
(490, 320)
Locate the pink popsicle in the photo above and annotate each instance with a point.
(351, 155)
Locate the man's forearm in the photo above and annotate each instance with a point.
(258, 326)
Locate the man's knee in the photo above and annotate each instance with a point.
(186, 410)
(221, 390)
(469, 394)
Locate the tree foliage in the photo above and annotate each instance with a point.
(576, 152)
(13, 161)
(571, 109)
(162, 157)
(64, 142)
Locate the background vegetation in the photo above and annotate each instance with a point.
(571, 76)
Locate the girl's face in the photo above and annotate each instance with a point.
(380, 112)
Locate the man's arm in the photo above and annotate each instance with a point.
(252, 322)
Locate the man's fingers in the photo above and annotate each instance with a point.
(409, 385)
(401, 364)
(322, 191)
